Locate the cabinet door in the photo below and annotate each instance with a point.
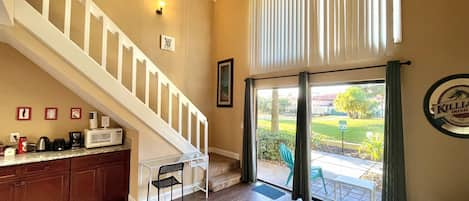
(7, 191)
(46, 188)
(84, 185)
(114, 182)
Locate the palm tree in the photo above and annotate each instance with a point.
(275, 112)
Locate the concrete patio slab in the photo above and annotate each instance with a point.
(333, 165)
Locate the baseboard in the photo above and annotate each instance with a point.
(189, 189)
(225, 153)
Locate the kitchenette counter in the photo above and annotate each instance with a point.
(35, 157)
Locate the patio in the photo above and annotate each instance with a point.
(333, 165)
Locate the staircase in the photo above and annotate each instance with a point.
(178, 107)
(223, 172)
(165, 120)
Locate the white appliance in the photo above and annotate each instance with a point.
(103, 137)
(93, 120)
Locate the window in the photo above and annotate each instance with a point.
(289, 34)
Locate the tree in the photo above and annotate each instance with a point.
(355, 102)
(264, 105)
(275, 112)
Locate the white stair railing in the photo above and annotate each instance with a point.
(91, 9)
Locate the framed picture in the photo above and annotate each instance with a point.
(75, 113)
(225, 83)
(23, 113)
(51, 113)
(168, 43)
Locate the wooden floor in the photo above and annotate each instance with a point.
(240, 192)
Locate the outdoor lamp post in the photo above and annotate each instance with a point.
(342, 128)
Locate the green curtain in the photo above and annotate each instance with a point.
(249, 166)
(301, 173)
(394, 188)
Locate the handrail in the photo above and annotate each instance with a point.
(91, 9)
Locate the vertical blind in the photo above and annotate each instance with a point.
(288, 34)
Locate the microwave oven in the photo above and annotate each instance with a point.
(103, 137)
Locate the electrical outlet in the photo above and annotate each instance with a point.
(14, 137)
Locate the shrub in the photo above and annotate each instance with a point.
(373, 146)
(268, 146)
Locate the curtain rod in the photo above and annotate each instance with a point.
(332, 71)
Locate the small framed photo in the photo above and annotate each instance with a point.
(75, 113)
(51, 113)
(23, 113)
(168, 43)
(225, 83)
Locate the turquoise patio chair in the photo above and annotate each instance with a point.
(287, 158)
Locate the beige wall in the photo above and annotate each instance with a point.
(230, 40)
(25, 84)
(435, 39)
(189, 22)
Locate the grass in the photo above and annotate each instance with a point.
(327, 127)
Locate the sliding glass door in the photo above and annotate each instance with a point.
(347, 128)
(276, 130)
(347, 139)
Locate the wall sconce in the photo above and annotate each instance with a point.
(159, 11)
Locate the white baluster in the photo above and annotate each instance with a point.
(104, 45)
(68, 17)
(147, 84)
(189, 123)
(45, 9)
(119, 58)
(170, 106)
(206, 137)
(134, 72)
(86, 39)
(158, 107)
(198, 132)
(180, 115)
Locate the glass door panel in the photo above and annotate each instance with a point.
(347, 138)
(276, 130)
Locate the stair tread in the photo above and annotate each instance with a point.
(227, 175)
(224, 180)
(220, 164)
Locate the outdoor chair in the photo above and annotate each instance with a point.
(287, 158)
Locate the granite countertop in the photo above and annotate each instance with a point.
(26, 158)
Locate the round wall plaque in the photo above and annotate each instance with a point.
(446, 105)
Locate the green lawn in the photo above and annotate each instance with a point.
(327, 127)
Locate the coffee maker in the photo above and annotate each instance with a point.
(76, 139)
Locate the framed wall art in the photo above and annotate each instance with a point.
(75, 113)
(446, 105)
(51, 113)
(23, 113)
(225, 83)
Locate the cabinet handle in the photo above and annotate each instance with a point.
(18, 184)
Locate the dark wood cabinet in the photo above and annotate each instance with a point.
(101, 177)
(7, 191)
(112, 182)
(45, 188)
(84, 185)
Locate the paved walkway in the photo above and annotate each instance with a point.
(333, 165)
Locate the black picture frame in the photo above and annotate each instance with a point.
(225, 87)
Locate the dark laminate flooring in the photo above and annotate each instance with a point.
(240, 192)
